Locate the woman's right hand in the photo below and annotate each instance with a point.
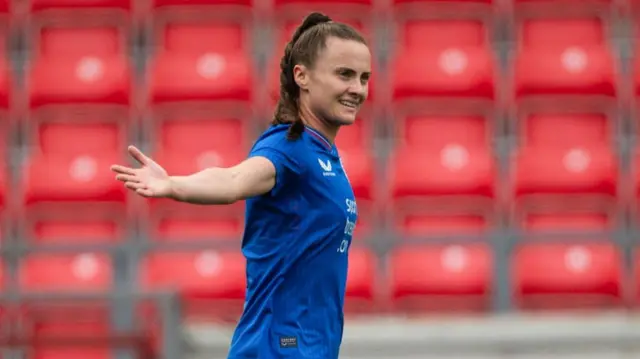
(150, 180)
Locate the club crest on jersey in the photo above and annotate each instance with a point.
(326, 167)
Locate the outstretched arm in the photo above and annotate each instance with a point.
(252, 177)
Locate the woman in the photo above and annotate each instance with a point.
(300, 208)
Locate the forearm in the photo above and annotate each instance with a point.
(210, 186)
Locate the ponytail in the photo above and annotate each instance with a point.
(287, 109)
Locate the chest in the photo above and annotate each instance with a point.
(330, 187)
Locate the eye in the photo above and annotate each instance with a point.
(365, 78)
(345, 74)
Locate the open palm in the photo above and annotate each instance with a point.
(150, 180)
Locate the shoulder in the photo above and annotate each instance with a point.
(274, 145)
(275, 138)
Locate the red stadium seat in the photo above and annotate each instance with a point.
(636, 66)
(562, 276)
(183, 3)
(354, 145)
(223, 37)
(452, 170)
(202, 63)
(70, 161)
(71, 273)
(77, 80)
(437, 225)
(80, 41)
(443, 58)
(201, 14)
(550, 8)
(76, 65)
(547, 6)
(338, 9)
(77, 232)
(566, 154)
(78, 272)
(187, 146)
(193, 136)
(211, 76)
(71, 353)
(438, 132)
(210, 225)
(358, 164)
(355, 136)
(38, 5)
(441, 277)
(71, 165)
(457, 2)
(80, 29)
(587, 170)
(552, 130)
(539, 222)
(556, 2)
(564, 57)
(314, 3)
(636, 169)
(202, 277)
(2, 275)
(6, 82)
(459, 9)
(68, 138)
(5, 194)
(73, 197)
(72, 178)
(361, 280)
(446, 158)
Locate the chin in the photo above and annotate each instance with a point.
(346, 120)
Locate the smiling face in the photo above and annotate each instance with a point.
(337, 84)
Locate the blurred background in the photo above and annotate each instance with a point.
(495, 167)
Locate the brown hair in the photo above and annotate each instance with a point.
(307, 41)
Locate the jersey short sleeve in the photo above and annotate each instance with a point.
(283, 153)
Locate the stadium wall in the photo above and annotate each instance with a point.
(558, 336)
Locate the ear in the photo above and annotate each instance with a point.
(301, 76)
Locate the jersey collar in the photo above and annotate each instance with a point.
(319, 137)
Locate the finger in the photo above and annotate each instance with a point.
(123, 170)
(144, 192)
(138, 155)
(127, 178)
(134, 186)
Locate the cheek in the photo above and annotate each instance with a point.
(326, 94)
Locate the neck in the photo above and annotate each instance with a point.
(310, 119)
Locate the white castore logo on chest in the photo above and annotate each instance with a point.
(326, 167)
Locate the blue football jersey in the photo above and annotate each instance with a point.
(296, 242)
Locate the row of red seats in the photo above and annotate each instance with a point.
(454, 58)
(424, 279)
(36, 5)
(455, 276)
(446, 157)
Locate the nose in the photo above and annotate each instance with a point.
(359, 89)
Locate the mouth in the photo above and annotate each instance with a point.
(350, 104)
